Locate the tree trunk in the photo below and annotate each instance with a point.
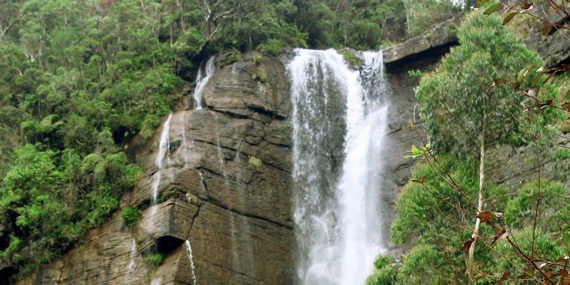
(470, 264)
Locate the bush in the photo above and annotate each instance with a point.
(131, 216)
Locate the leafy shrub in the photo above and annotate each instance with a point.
(259, 75)
(351, 59)
(167, 194)
(131, 216)
(256, 58)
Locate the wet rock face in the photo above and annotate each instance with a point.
(223, 185)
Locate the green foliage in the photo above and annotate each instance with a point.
(256, 58)
(131, 216)
(384, 272)
(422, 215)
(254, 162)
(545, 247)
(259, 75)
(152, 262)
(350, 59)
(15, 244)
(167, 194)
(455, 97)
(232, 58)
(415, 73)
(520, 211)
(78, 80)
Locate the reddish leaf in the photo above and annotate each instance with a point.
(565, 280)
(561, 272)
(545, 104)
(467, 244)
(485, 216)
(422, 181)
(500, 80)
(546, 29)
(503, 278)
(492, 9)
(526, 5)
(566, 66)
(509, 17)
(561, 260)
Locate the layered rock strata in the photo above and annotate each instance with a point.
(223, 186)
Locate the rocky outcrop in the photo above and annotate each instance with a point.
(223, 187)
(434, 43)
(553, 45)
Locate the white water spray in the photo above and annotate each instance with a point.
(201, 81)
(338, 210)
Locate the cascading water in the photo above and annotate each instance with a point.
(339, 123)
(201, 81)
(189, 249)
(132, 261)
(163, 146)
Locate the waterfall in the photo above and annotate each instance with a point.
(189, 249)
(201, 81)
(163, 146)
(131, 262)
(339, 124)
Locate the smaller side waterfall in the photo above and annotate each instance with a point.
(163, 146)
(132, 256)
(201, 81)
(131, 262)
(189, 249)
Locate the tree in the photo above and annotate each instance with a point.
(456, 98)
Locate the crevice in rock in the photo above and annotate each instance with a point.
(219, 205)
(263, 111)
(229, 269)
(194, 220)
(229, 113)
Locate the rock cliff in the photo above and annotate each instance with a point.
(223, 187)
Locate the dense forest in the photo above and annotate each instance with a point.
(79, 79)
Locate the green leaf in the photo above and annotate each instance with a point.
(415, 152)
(492, 9)
(480, 3)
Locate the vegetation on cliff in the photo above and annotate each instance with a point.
(467, 109)
(78, 79)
